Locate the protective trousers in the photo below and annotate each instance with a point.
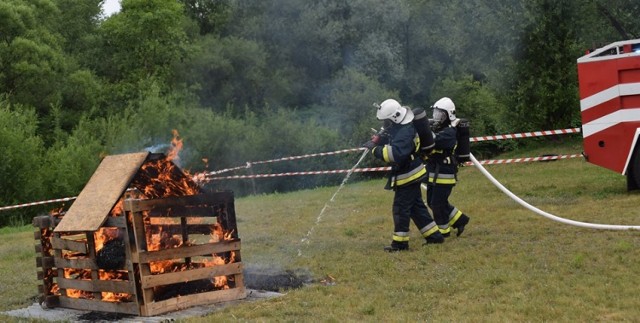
(444, 213)
(408, 205)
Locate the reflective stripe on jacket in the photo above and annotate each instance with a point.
(441, 163)
(400, 154)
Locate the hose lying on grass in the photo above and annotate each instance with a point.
(543, 213)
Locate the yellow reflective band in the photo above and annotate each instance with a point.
(400, 239)
(427, 227)
(443, 180)
(455, 217)
(412, 178)
(444, 231)
(430, 231)
(385, 154)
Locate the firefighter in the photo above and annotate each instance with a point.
(407, 171)
(442, 167)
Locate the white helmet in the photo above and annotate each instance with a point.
(392, 110)
(444, 105)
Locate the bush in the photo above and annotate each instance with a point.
(21, 158)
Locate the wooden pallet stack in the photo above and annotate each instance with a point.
(73, 275)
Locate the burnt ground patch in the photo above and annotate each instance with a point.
(275, 279)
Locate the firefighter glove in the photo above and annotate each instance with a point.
(369, 144)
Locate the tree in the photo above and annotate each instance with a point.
(146, 41)
(37, 68)
(77, 22)
(347, 105)
(545, 94)
(32, 61)
(69, 163)
(228, 71)
(21, 158)
(474, 101)
(211, 15)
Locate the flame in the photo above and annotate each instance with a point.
(158, 178)
(162, 178)
(114, 275)
(176, 147)
(104, 235)
(55, 289)
(118, 209)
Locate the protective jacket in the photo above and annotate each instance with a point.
(401, 154)
(441, 163)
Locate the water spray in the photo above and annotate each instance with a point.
(305, 240)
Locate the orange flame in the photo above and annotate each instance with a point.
(176, 146)
(160, 178)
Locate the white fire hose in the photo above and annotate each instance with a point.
(545, 214)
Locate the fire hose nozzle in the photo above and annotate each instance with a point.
(379, 135)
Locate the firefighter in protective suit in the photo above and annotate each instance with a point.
(442, 167)
(407, 173)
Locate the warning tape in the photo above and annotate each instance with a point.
(384, 169)
(526, 135)
(524, 160)
(473, 139)
(337, 171)
(249, 164)
(66, 199)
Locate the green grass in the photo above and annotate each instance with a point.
(17, 267)
(510, 264)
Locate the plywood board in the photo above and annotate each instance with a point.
(106, 185)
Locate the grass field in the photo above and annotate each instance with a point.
(510, 264)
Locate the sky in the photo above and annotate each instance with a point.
(110, 7)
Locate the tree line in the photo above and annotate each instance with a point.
(252, 80)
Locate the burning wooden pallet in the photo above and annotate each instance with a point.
(140, 239)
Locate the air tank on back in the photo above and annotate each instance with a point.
(421, 123)
(463, 150)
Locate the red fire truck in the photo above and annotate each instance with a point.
(609, 80)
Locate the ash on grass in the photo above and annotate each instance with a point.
(275, 279)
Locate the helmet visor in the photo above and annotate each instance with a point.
(439, 115)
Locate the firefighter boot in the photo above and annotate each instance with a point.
(434, 238)
(397, 246)
(460, 224)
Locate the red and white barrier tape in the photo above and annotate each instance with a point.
(360, 170)
(384, 169)
(526, 134)
(473, 139)
(524, 160)
(336, 171)
(66, 199)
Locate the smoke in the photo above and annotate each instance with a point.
(159, 148)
